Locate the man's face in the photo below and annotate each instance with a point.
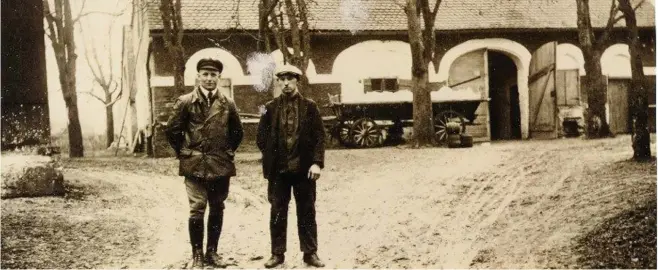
(288, 84)
(208, 78)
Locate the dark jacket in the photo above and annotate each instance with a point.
(205, 139)
(310, 141)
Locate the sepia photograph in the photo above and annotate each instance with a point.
(329, 134)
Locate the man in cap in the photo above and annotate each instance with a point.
(291, 139)
(205, 130)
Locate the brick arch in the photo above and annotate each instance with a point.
(517, 52)
(232, 67)
(570, 56)
(277, 56)
(616, 61)
(369, 59)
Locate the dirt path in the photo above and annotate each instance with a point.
(508, 205)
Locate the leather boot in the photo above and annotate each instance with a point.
(214, 232)
(197, 259)
(313, 260)
(195, 227)
(275, 260)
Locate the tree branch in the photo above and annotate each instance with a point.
(82, 7)
(305, 34)
(435, 11)
(50, 19)
(294, 29)
(112, 14)
(96, 74)
(90, 93)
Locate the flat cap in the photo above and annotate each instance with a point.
(211, 64)
(288, 69)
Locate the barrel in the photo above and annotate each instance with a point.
(454, 140)
(466, 140)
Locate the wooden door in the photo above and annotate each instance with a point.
(618, 113)
(469, 73)
(542, 101)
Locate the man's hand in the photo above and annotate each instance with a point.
(314, 172)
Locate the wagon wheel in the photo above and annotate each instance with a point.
(442, 119)
(343, 133)
(365, 133)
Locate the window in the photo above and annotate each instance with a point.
(381, 85)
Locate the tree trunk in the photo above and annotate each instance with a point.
(597, 124)
(172, 22)
(109, 127)
(597, 90)
(76, 147)
(639, 103)
(423, 128)
(179, 68)
(422, 112)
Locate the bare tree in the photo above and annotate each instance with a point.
(594, 80)
(60, 29)
(104, 76)
(172, 22)
(422, 39)
(638, 95)
(287, 23)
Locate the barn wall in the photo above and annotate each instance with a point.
(328, 46)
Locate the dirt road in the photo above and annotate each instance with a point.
(507, 205)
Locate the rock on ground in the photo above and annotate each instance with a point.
(29, 175)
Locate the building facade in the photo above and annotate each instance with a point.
(490, 49)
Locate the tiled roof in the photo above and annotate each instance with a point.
(388, 15)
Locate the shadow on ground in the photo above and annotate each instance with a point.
(627, 240)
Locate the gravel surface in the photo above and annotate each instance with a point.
(531, 204)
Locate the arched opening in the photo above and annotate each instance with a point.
(364, 66)
(232, 68)
(570, 57)
(516, 77)
(504, 110)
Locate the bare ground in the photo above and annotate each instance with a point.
(531, 204)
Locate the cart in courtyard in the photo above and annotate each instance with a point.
(368, 123)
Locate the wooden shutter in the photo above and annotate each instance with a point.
(367, 85)
(404, 84)
(567, 85)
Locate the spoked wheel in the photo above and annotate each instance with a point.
(365, 133)
(441, 127)
(343, 133)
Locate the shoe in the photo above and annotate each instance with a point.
(275, 260)
(213, 259)
(197, 259)
(312, 259)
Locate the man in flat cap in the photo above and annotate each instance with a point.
(205, 130)
(291, 139)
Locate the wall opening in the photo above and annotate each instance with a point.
(504, 109)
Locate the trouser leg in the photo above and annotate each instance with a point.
(217, 194)
(197, 196)
(305, 192)
(279, 197)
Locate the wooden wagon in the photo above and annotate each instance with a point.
(366, 124)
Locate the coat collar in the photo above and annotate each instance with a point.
(198, 97)
(302, 109)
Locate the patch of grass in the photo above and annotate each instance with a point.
(57, 239)
(627, 240)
